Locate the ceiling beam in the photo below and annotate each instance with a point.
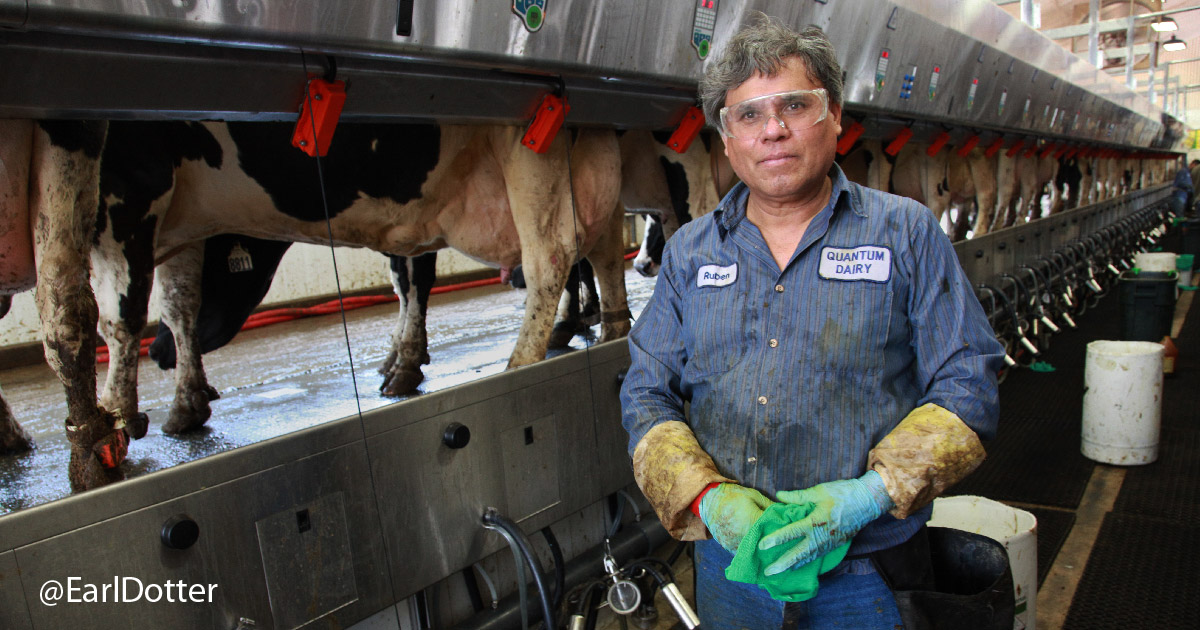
(1107, 26)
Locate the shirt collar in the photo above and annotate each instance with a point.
(732, 209)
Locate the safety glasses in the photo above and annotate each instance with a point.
(796, 110)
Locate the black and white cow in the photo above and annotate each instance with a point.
(49, 191)
(164, 187)
(398, 189)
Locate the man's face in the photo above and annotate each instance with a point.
(779, 163)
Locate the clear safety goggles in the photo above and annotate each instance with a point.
(796, 110)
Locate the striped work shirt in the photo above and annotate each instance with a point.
(793, 376)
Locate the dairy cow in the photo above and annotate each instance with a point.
(49, 191)
(163, 187)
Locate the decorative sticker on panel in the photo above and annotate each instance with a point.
(703, 24)
(531, 12)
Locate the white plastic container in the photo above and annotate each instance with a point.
(1155, 261)
(1122, 401)
(1014, 528)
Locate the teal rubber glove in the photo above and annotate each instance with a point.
(729, 510)
(842, 508)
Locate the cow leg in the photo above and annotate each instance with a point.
(180, 278)
(569, 321)
(64, 195)
(13, 438)
(609, 263)
(540, 202)
(123, 274)
(589, 303)
(412, 279)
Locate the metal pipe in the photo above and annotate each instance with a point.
(1094, 34)
(1129, 50)
(636, 540)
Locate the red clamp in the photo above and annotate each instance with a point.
(898, 143)
(850, 137)
(995, 146)
(1062, 150)
(936, 146)
(1048, 150)
(319, 115)
(1030, 151)
(546, 123)
(1014, 148)
(968, 145)
(687, 130)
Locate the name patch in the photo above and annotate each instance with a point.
(716, 276)
(868, 262)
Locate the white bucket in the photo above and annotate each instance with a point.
(1015, 529)
(1122, 401)
(1155, 261)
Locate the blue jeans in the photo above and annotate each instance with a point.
(852, 595)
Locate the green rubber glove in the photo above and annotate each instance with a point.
(842, 508)
(729, 510)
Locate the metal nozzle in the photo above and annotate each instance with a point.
(685, 612)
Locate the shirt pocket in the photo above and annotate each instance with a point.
(714, 331)
(853, 337)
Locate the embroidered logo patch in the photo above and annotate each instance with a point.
(868, 262)
(716, 276)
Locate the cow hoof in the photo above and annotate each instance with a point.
(189, 413)
(16, 441)
(401, 382)
(212, 393)
(136, 428)
(563, 333)
(86, 473)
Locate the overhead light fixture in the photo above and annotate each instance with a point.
(1174, 44)
(1164, 24)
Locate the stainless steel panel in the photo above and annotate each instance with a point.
(12, 13)
(226, 554)
(614, 470)
(432, 497)
(307, 561)
(14, 613)
(618, 44)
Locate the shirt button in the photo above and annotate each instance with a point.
(762, 400)
(779, 288)
(773, 343)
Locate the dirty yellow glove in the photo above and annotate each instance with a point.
(729, 510)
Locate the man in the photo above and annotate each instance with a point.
(1194, 173)
(1182, 189)
(827, 341)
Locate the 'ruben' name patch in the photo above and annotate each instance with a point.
(715, 276)
(868, 262)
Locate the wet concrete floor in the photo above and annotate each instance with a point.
(275, 380)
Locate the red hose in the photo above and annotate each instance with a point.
(287, 314)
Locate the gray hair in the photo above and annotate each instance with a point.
(763, 47)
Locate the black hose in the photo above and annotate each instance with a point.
(560, 570)
(679, 549)
(492, 518)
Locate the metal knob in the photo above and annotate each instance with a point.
(180, 532)
(456, 435)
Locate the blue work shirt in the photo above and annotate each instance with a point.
(793, 376)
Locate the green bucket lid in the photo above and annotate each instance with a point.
(1183, 262)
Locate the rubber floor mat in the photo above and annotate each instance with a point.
(1141, 575)
(1169, 487)
(1033, 460)
(1053, 526)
